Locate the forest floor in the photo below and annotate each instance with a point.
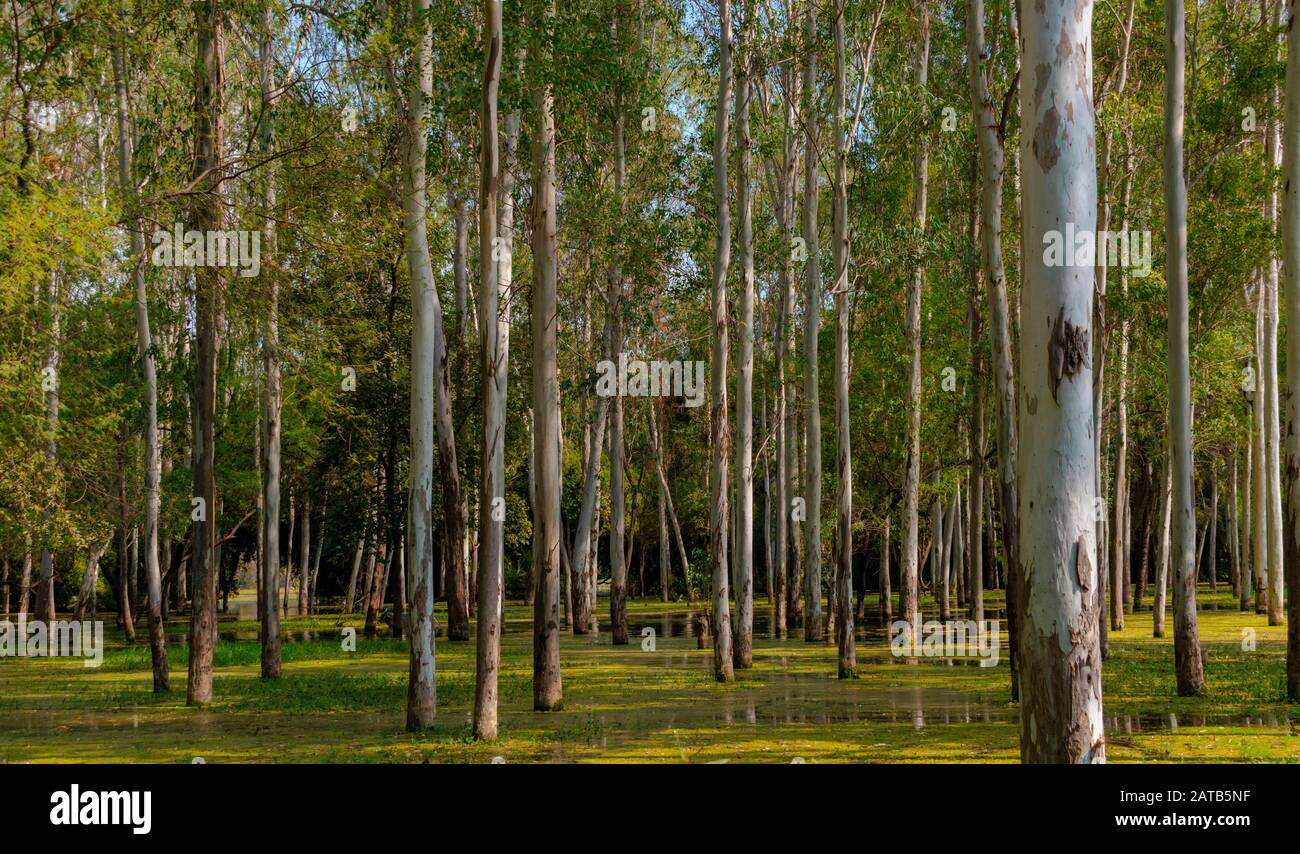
(635, 703)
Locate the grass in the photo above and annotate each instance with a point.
(633, 703)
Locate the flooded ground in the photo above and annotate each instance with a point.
(342, 699)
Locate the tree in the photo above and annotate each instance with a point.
(209, 216)
(1291, 270)
(744, 570)
(719, 428)
(494, 259)
(812, 626)
(909, 593)
(1060, 656)
(848, 656)
(149, 370)
(421, 695)
(1187, 648)
(548, 694)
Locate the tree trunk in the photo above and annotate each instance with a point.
(1060, 656)
(783, 349)
(1272, 434)
(743, 651)
(1291, 261)
(886, 595)
(304, 556)
(144, 349)
(429, 391)
(1187, 650)
(812, 316)
(617, 463)
(209, 215)
(89, 581)
(123, 591)
(495, 241)
(547, 689)
(718, 421)
(848, 656)
(1211, 562)
(25, 591)
(658, 440)
(992, 165)
(909, 578)
(580, 588)
(351, 596)
(1234, 545)
(1260, 469)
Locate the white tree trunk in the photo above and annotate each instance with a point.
(548, 693)
(1060, 656)
(149, 369)
(812, 318)
(743, 652)
(495, 238)
(1187, 651)
(909, 582)
(421, 695)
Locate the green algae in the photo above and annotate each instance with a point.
(638, 703)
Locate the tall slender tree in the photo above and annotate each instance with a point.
(1187, 647)
(548, 694)
(848, 656)
(210, 286)
(1060, 655)
(719, 423)
(494, 249)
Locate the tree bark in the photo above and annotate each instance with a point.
(1291, 261)
(812, 316)
(1060, 656)
(743, 650)
(1272, 431)
(547, 689)
(149, 369)
(992, 161)
(720, 429)
(617, 463)
(1187, 650)
(1260, 548)
(209, 215)
(909, 576)
(495, 236)
(848, 656)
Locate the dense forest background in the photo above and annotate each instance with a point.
(794, 193)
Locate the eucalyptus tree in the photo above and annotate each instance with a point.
(548, 692)
(848, 657)
(426, 359)
(494, 258)
(909, 575)
(812, 630)
(1291, 269)
(210, 285)
(719, 423)
(1060, 656)
(148, 368)
(744, 557)
(1187, 648)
